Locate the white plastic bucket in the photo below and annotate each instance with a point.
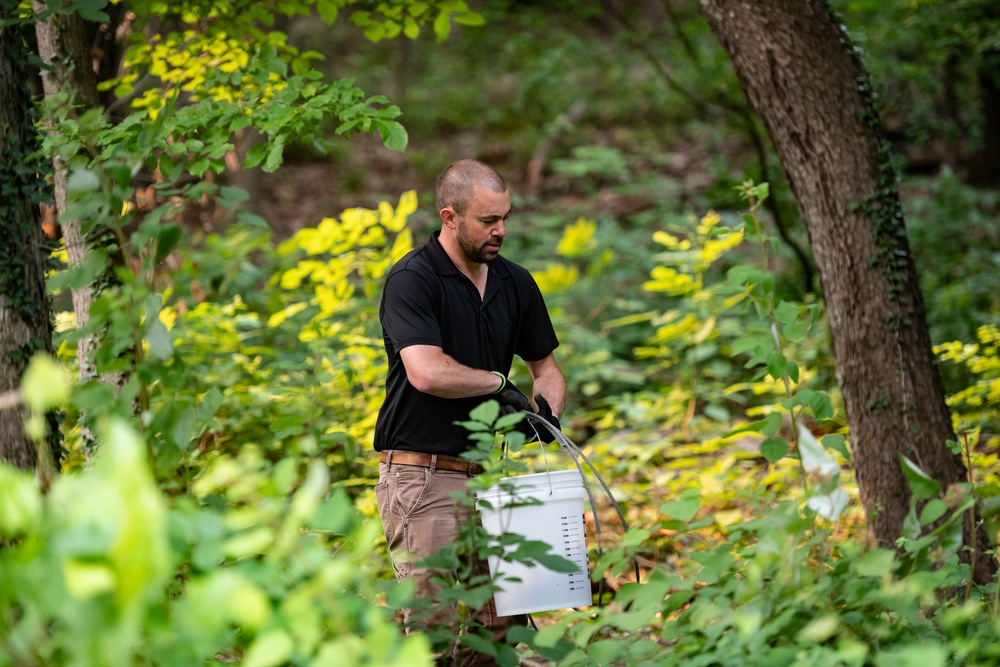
(554, 516)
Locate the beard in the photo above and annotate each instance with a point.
(473, 252)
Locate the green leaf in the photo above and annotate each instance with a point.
(184, 427)
(635, 538)
(374, 32)
(287, 425)
(742, 275)
(275, 153)
(209, 405)
(606, 652)
(934, 510)
(442, 26)
(817, 402)
(950, 533)
(255, 155)
(80, 182)
(557, 563)
(792, 370)
(714, 564)
(470, 18)
(774, 449)
(767, 283)
(94, 264)
(45, 383)
(393, 134)
(776, 365)
(837, 443)
(410, 27)
(914, 655)
(795, 331)
(160, 342)
(167, 237)
(506, 421)
(252, 219)
(741, 345)
(768, 426)
(875, 563)
(538, 551)
(486, 412)
(474, 426)
(786, 313)
(820, 405)
(166, 164)
(20, 501)
(241, 122)
(921, 484)
(336, 515)
(479, 644)
(819, 629)
(93, 395)
(230, 196)
(328, 10)
(91, 10)
(85, 580)
(270, 649)
(199, 167)
(685, 507)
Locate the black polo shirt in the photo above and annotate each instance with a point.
(428, 301)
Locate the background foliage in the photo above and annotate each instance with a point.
(248, 315)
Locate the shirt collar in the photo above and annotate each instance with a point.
(444, 266)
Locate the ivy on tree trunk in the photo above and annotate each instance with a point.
(812, 93)
(25, 319)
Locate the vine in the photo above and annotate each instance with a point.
(24, 185)
(884, 210)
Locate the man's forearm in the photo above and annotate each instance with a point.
(433, 372)
(548, 381)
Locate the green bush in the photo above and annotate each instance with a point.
(257, 564)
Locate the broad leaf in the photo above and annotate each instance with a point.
(774, 449)
(921, 484)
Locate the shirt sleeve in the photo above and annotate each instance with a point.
(409, 311)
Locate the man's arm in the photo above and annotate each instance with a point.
(548, 380)
(433, 372)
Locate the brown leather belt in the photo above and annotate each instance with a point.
(438, 461)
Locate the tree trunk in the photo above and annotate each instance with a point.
(812, 93)
(63, 46)
(25, 323)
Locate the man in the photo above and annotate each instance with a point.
(454, 313)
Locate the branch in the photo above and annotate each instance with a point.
(541, 154)
(10, 399)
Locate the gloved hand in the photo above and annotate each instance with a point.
(528, 426)
(545, 411)
(512, 397)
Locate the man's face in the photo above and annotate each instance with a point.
(481, 230)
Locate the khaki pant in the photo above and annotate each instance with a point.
(419, 517)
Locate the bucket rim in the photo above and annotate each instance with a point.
(553, 480)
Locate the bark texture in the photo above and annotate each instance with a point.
(64, 47)
(810, 90)
(25, 325)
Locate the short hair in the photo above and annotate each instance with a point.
(456, 183)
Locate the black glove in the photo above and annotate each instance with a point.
(545, 411)
(528, 426)
(512, 397)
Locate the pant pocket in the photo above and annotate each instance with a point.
(407, 487)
